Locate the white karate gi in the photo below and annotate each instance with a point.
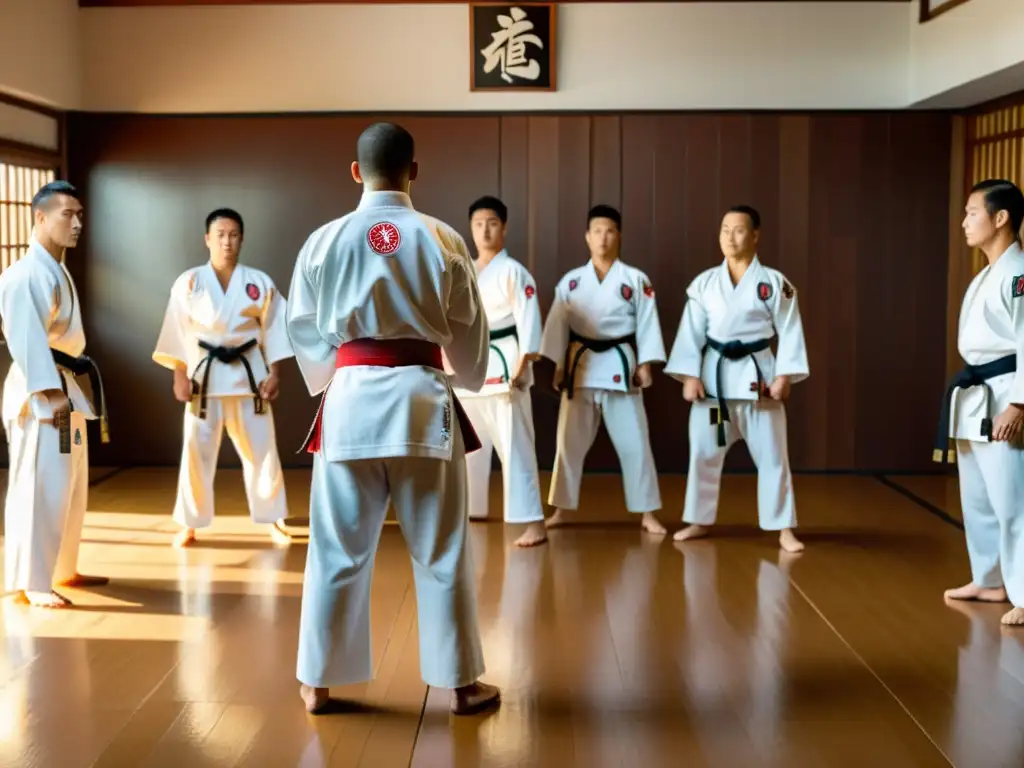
(201, 311)
(501, 414)
(992, 473)
(47, 491)
(621, 305)
(387, 272)
(762, 305)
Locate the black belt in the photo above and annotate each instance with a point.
(970, 376)
(503, 333)
(594, 345)
(225, 355)
(732, 350)
(84, 366)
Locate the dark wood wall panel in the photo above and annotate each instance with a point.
(854, 209)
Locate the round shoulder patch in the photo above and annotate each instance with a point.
(384, 238)
(252, 291)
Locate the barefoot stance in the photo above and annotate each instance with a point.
(787, 539)
(557, 519)
(534, 534)
(184, 537)
(691, 532)
(974, 592)
(1014, 617)
(279, 534)
(315, 699)
(81, 580)
(789, 542)
(42, 600)
(474, 698)
(651, 524)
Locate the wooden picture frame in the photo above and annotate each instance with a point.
(927, 14)
(530, 64)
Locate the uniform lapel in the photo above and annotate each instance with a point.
(737, 298)
(65, 299)
(485, 276)
(972, 294)
(224, 300)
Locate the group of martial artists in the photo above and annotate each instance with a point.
(603, 333)
(422, 360)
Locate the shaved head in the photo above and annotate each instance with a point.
(386, 155)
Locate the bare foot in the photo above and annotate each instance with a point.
(557, 519)
(1014, 617)
(184, 537)
(279, 534)
(974, 592)
(315, 699)
(534, 534)
(789, 542)
(43, 600)
(691, 532)
(80, 580)
(651, 524)
(473, 698)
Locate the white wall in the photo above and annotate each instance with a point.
(415, 57)
(611, 56)
(39, 51)
(969, 52)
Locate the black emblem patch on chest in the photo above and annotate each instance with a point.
(764, 291)
(627, 292)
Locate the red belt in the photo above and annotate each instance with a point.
(392, 353)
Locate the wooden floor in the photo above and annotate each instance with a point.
(613, 648)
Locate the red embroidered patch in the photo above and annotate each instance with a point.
(530, 291)
(627, 292)
(648, 290)
(1018, 286)
(574, 284)
(616, 378)
(764, 291)
(384, 238)
(252, 291)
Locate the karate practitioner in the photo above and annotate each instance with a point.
(45, 410)
(736, 385)
(984, 407)
(375, 295)
(502, 411)
(603, 334)
(224, 336)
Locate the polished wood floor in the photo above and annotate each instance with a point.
(613, 648)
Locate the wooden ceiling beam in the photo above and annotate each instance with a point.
(186, 3)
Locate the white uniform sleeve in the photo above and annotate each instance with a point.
(650, 346)
(687, 358)
(25, 308)
(791, 359)
(469, 350)
(555, 339)
(526, 310)
(313, 354)
(1016, 308)
(172, 343)
(276, 344)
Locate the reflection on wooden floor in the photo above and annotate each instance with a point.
(613, 648)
